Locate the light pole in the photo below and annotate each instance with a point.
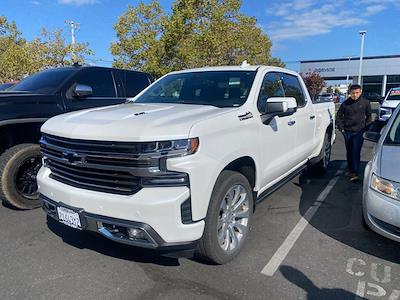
(348, 66)
(362, 33)
(74, 26)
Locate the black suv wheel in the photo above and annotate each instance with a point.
(19, 166)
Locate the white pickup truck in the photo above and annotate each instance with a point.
(184, 163)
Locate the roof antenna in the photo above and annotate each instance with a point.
(245, 64)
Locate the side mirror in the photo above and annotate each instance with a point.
(278, 106)
(372, 136)
(81, 90)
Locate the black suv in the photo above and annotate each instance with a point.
(27, 105)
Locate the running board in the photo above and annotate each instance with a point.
(279, 184)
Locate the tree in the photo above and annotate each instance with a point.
(138, 31)
(329, 89)
(19, 58)
(314, 83)
(196, 33)
(51, 50)
(14, 57)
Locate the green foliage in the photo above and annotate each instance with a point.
(19, 58)
(329, 89)
(196, 33)
(138, 31)
(52, 50)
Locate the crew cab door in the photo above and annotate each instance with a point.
(305, 116)
(277, 139)
(103, 90)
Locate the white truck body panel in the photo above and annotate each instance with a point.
(277, 149)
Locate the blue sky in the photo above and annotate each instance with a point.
(299, 29)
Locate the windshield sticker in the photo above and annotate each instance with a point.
(395, 92)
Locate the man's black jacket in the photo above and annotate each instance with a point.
(354, 115)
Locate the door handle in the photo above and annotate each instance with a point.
(291, 123)
(312, 117)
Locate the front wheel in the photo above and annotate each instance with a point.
(19, 166)
(321, 167)
(228, 218)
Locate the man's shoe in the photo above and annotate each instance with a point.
(348, 173)
(354, 178)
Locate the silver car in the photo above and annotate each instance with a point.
(381, 191)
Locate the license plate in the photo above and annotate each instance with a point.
(69, 217)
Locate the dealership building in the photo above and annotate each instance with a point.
(379, 73)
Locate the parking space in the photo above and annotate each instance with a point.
(330, 256)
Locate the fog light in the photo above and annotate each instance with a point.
(136, 233)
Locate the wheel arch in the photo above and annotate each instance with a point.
(14, 132)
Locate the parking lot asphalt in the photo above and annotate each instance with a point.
(330, 256)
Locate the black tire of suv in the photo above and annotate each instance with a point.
(208, 248)
(10, 163)
(321, 167)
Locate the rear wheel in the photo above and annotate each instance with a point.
(228, 218)
(19, 166)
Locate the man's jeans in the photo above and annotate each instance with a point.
(354, 142)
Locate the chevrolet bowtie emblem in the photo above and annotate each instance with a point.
(72, 157)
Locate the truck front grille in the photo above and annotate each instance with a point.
(111, 167)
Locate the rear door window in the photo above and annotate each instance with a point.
(292, 88)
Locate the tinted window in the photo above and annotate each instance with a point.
(292, 88)
(100, 81)
(45, 82)
(135, 83)
(393, 136)
(218, 88)
(5, 86)
(270, 87)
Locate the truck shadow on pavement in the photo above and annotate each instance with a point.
(95, 242)
(313, 292)
(340, 215)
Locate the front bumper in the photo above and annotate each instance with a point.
(382, 214)
(156, 210)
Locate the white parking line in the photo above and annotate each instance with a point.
(276, 260)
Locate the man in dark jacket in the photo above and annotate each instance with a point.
(353, 118)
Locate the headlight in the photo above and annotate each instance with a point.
(165, 150)
(386, 187)
(174, 147)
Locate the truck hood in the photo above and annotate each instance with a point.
(131, 122)
(390, 103)
(390, 163)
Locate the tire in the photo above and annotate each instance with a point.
(232, 224)
(18, 169)
(321, 167)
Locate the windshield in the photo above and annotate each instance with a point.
(45, 82)
(394, 94)
(393, 137)
(4, 86)
(217, 88)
